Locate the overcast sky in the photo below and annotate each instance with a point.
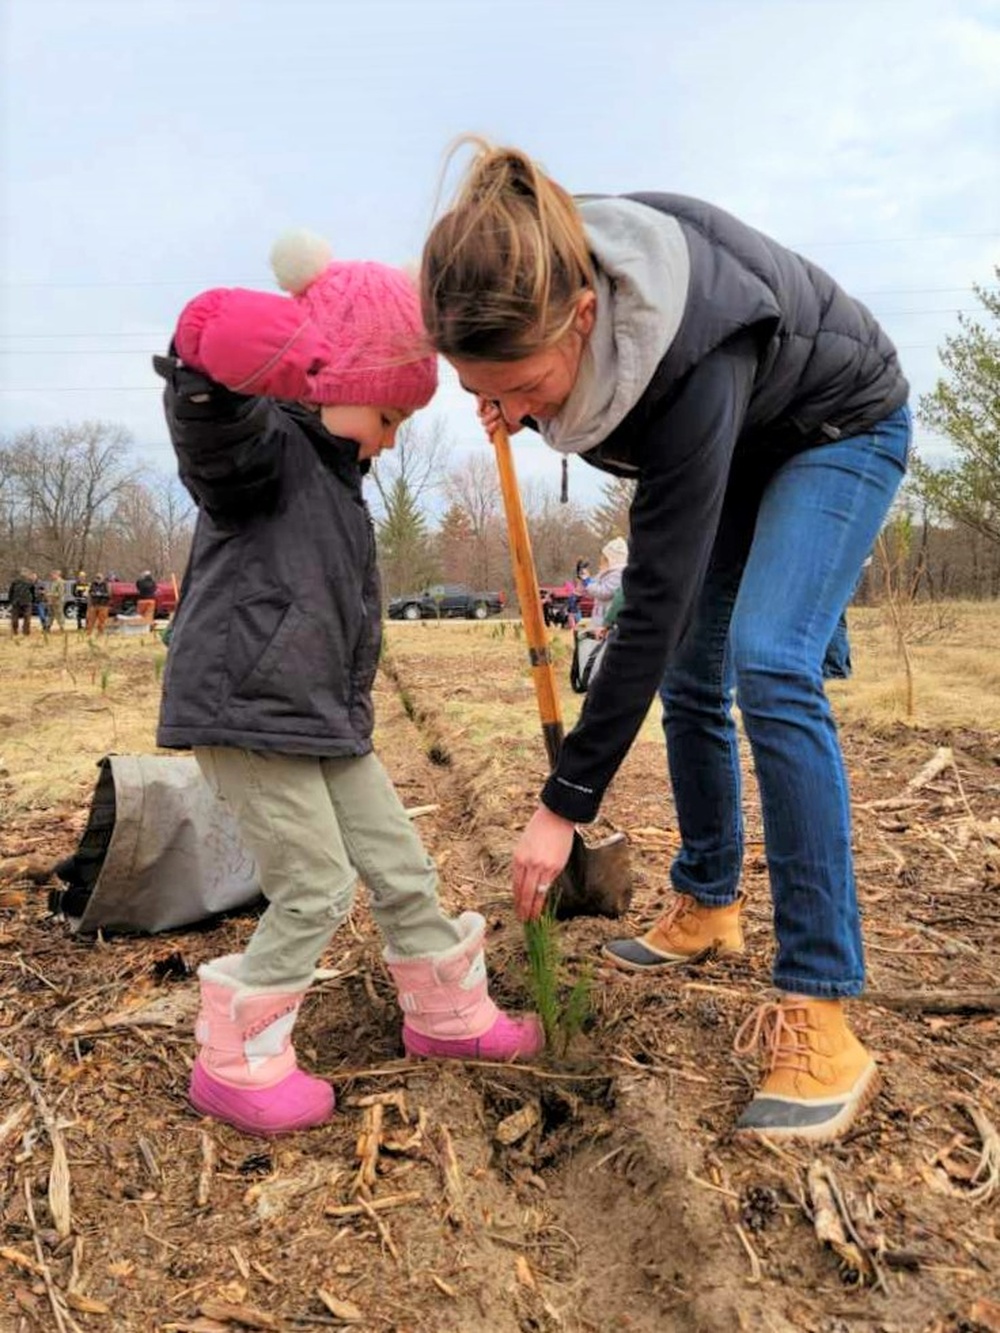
(152, 148)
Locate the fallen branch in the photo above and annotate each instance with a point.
(174, 1009)
(22, 1261)
(415, 811)
(345, 1312)
(984, 1180)
(205, 1176)
(380, 1227)
(830, 1222)
(59, 1180)
(12, 1124)
(941, 759)
(378, 1205)
(369, 1141)
(892, 803)
(755, 1271)
(65, 1323)
(453, 1189)
(247, 1315)
(938, 1001)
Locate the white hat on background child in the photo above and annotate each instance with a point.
(615, 552)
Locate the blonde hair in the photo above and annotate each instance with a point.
(503, 269)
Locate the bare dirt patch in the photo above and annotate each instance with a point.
(624, 1204)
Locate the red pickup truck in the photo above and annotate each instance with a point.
(555, 602)
(125, 598)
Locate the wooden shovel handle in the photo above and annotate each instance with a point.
(529, 599)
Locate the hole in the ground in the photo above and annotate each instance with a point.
(557, 1110)
(438, 755)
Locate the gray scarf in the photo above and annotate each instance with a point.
(641, 283)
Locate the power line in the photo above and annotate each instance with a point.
(158, 388)
(859, 240)
(152, 351)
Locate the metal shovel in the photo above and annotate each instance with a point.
(597, 880)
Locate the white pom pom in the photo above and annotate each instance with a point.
(298, 258)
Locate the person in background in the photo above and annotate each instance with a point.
(80, 589)
(837, 658)
(837, 664)
(607, 581)
(21, 597)
(56, 597)
(98, 605)
(762, 414)
(145, 586)
(41, 606)
(572, 603)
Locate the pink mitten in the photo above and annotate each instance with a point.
(252, 342)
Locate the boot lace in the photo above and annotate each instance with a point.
(785, 1044)
(683, 904)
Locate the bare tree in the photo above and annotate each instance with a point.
(474, 488)
(65, 482)
(415, 467)
(8, 511)
(175, 511)
(560, 533)
(151, 526)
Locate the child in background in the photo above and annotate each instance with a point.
(276, 407)
(614, 558)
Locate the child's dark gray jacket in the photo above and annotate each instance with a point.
(277, 636)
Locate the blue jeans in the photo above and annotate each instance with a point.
(789, 552)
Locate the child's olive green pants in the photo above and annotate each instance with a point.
(315, 826)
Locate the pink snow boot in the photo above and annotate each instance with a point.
(447, 1007)
(245, 1073)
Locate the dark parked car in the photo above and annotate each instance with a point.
(446, 599)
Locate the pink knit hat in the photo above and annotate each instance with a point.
(370, 315)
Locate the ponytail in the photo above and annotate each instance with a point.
(504, 268)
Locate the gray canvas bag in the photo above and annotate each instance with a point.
(159, 852)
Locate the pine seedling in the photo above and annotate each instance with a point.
(576, 1007)
(542, 943)
(563, 1013)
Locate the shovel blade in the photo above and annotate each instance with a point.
(597, 880)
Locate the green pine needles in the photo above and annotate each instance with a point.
(563, 1009)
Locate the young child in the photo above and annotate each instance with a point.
(276, 407)
(614, 558)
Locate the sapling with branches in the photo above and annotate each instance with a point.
(562, 1008)
(900, 582)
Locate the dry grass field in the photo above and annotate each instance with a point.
(626, 1204)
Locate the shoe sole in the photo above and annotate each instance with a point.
(668, 962)
(207, 1102)
(830, 1130)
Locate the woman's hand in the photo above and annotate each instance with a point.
(540, 855)
(491, 417)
